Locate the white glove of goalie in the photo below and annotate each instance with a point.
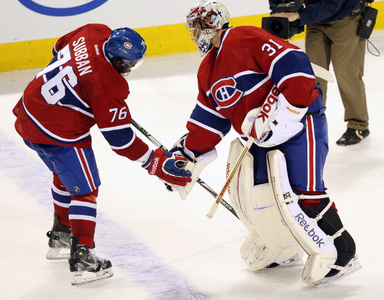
(283, 125)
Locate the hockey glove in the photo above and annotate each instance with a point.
(179, 149)
(283, 125)
(168, 167)
(195, 164)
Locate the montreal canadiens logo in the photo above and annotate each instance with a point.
(225, 93)
(127, 45)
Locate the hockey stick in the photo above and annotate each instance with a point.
(230, 176)
(199, 181)
(322, 73)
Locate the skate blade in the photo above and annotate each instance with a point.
(284, 265)
(290, 263)
(295, 261)
(81, 278)
(353, 266)
(58, 253)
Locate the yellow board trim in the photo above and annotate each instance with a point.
(161, 40)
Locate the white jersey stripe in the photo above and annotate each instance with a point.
(219, 133)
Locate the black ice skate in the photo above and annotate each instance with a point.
(85, 266)
(58, 240)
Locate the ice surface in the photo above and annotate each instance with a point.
(165, 248)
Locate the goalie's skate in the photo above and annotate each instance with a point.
(352, 266)
(58, 243)
(85, 266)
(294, 261)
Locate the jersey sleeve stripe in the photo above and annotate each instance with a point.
(210, 120)
(209, 110)
(299, 74)
(208, 128)
(119, 137)
(123, 146)
(278, 57)
(292, 62)
(80, 110)
(106, 129)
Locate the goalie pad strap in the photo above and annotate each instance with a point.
(336, 235)
(322, 213)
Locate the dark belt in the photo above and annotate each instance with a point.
(311, 113)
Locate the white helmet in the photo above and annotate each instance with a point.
(204, 21)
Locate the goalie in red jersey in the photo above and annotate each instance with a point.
(245, 70)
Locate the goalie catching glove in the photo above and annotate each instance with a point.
(283, 124)
(168, 167)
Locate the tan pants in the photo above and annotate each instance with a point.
(338, 43)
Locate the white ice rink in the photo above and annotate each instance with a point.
(162, 247)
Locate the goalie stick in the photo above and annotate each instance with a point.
(230, 176)
(199, 181)
(322, 73)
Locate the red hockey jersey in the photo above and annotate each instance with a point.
(76, 90)
(237, 77)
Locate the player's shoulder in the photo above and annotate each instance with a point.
(250, 37)
(96, 33)
(241, 32)
(100, 29)
(93, 33)
(240, 38)
(96, 28)
(111, 81)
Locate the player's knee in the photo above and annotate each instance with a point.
(57, 182)
(90, 197)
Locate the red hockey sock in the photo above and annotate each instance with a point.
(307, 203)
(82, 217)
(62, 199)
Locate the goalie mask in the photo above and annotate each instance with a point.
(128, 45)
(204, 21)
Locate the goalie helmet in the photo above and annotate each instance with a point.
(128, 45)
(204, 21)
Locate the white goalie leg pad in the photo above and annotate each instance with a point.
(318, 245)
(269, 241)
(196, 168)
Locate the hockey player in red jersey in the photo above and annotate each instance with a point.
(243, 68)
(83, 86)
